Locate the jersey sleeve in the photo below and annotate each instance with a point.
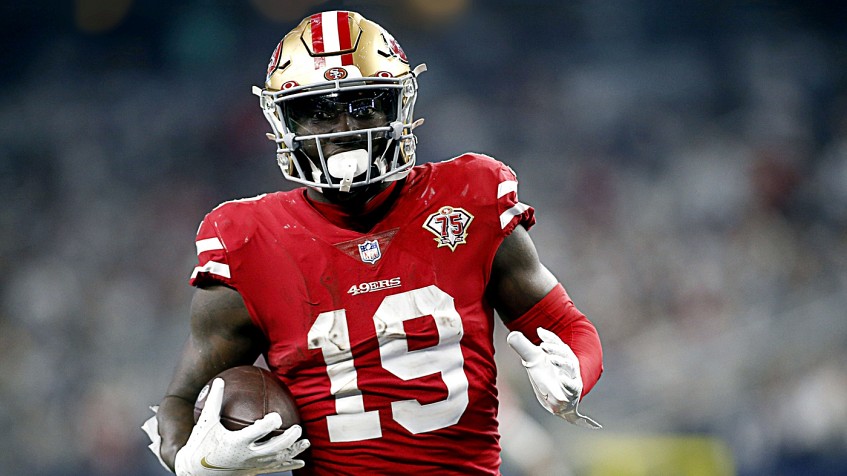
(512, 211)
(213, 265)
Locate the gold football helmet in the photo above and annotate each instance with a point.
(340, 96)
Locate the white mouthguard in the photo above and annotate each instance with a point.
(346, 165)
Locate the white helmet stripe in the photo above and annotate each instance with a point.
(331, 33)
(331, 41)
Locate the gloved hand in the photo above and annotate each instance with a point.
(212, 450)
(554, 374)
(151, 428)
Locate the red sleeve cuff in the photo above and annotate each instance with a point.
(556, 313)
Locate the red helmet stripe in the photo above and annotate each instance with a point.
(317, 39)
(345, 41)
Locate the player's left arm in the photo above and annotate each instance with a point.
(559, 346)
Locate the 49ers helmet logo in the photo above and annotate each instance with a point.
(274, 61)
(335, 73)
(396, 50)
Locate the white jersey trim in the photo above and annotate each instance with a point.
(507, 187)
(212, 267)
(507, 216)
(209, 244)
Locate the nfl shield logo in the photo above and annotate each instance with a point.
(369, 251)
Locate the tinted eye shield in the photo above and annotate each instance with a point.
(387, 137)
(365, 105)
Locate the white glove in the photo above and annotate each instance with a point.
(213, 450)
(151, 428)
(554, 374)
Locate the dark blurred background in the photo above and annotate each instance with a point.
(687, 160)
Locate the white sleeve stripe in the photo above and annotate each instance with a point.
(507, 216)
(209, 244)
(506, 187)
(212, 267)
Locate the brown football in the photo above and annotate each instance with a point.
(250, 393)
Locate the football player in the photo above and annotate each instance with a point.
(371, 290)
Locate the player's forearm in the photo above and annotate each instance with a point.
(557, 313)
(583, 339)
(176, 419)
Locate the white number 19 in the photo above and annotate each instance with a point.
(351, 422)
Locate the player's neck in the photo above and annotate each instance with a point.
(358, 213)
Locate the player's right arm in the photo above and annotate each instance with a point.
(222, 336)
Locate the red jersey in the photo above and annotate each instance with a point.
(383, 337)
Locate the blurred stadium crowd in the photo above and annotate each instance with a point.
(687, 160)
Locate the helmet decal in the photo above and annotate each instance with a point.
(330, 35)
(289, 85)
(274, 61)
(396, 50)
(335, 73)
(383, 74)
